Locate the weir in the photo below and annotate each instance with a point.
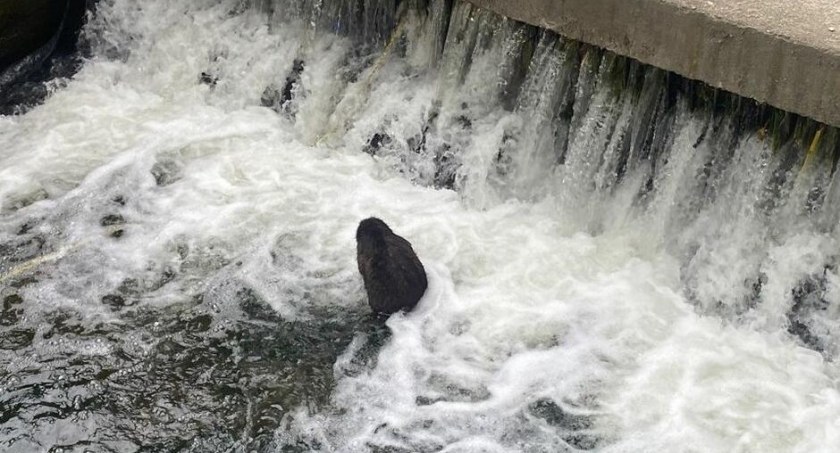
(771, 50)
(619, 258)
(520, 112)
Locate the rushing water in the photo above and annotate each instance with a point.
(612, 267)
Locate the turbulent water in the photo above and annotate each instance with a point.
(613, 266)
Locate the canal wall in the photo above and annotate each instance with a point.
(786, 54)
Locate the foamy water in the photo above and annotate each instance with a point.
(556, 318)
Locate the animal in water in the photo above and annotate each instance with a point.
(394, 277)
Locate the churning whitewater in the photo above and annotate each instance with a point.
(610, 268)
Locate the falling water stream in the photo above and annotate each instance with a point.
(620, 260)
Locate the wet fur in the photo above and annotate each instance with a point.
(394, 277)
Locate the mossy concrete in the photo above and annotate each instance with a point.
(783, 53)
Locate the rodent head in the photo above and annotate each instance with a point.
(371, 229)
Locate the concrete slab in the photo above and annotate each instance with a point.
(785, 53)
(812, 22)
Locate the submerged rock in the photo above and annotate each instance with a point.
(809, 299)
(113, 224)
(166, 172)
(12, 311)
(208, 79)
(576, 428)
(17, 339)
(280, 99)
(376, 142)
(115, 301)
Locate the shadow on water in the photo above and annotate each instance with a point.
(24, 81)
(178, 378)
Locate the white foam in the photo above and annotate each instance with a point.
(522, 306)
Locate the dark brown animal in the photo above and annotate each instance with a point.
(394, 277)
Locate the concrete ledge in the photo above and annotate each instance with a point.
(781, 52)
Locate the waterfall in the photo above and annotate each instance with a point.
(515, 112)
(619, 259)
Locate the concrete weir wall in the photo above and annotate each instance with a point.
(782, 52)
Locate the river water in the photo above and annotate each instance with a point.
(610, 270)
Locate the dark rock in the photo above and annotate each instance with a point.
(376, 142)
(554, 415)
(23, 248)
(25, 228)
(39, 41)
(12, 299)
(111, 220)
(11, 313)
(16, 339)
(446, 168)
(393, 275)
(25, 26)
(208, 79)
(198, 324)
(809, 299)
(575, 427)
(280, 99)
(137, 287)
(292, 81)
(115, 301)
(464, 121)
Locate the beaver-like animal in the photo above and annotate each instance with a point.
(394, 277)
